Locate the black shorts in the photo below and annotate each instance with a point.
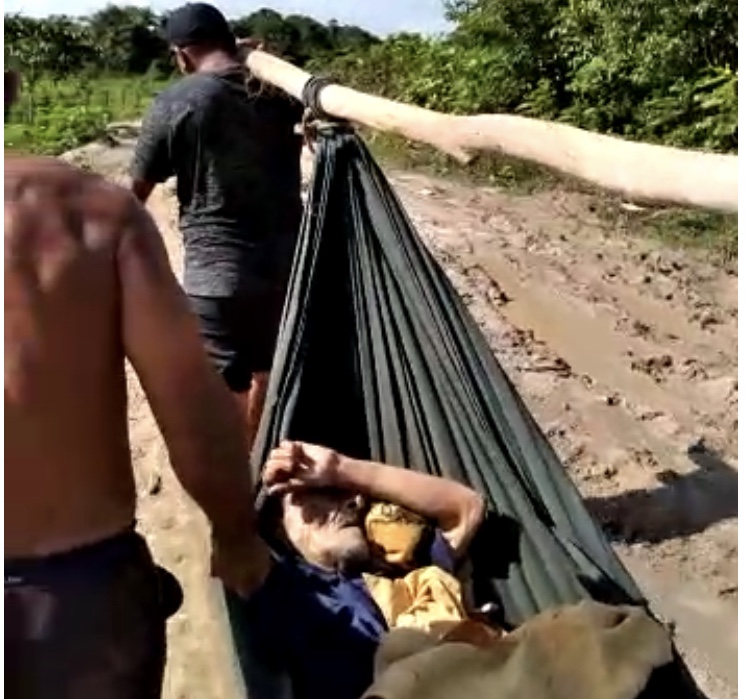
(240, 333)
(88, 623)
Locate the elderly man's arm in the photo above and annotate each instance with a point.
(455, 508)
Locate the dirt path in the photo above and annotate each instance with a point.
(625, 351)
(627, 354)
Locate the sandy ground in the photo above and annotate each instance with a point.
(624, 350)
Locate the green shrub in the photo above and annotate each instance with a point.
(55, 115)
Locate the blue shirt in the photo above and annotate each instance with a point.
(323, 627)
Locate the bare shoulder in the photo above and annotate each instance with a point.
(39, 188)
(39, 172)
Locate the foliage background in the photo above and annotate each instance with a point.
(657, 70)
(662, 71)
(79, 74)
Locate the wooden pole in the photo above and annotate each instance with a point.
(637, 170)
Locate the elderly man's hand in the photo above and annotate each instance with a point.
(295, 465)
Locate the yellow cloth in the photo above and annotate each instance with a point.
(394, 532)
(585, 651)
(427, 598)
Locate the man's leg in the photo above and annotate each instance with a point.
(251, 404)
(255, 404)
(260, 343)
(240, 335)
(242, 401)
(220, 326)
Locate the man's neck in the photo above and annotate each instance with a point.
(218, 62)
(322, 562)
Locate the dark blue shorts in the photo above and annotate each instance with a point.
(240, 333)
(89, 623)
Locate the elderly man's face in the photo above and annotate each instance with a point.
(326, 527)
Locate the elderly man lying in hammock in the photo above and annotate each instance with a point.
(362, 603)
(332, 595)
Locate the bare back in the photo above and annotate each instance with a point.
(87, 284)
(68, 479)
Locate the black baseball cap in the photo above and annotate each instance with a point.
(198, 24)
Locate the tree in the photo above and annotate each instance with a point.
(299, 38)
(313, 37)
(129, 38)
(56, 45)
(281, 36)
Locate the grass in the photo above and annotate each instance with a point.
(55, 115)
(487, 169)
(715, 233)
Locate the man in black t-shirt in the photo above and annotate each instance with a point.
(236, 160)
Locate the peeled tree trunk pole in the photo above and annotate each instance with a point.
(638, 170)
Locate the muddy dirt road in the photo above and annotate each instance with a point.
(625, 351)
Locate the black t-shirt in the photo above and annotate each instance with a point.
(237, 167)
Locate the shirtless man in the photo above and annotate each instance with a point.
(88, 284)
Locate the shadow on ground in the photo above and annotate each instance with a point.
(681, 506)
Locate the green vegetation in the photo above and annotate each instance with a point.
(56, 115)
(717, 233)
(714, 232)
(663, 71)
(128, 40)
(81, 74)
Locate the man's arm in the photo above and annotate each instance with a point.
(456, 509)
(197, 416)
(152, 162)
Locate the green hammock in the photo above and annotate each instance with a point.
(378, 358)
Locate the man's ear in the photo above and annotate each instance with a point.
(12, 87)
(183, 60)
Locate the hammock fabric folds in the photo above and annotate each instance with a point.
(379, 358)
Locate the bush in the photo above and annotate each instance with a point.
(664, 72)
(56, 115)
